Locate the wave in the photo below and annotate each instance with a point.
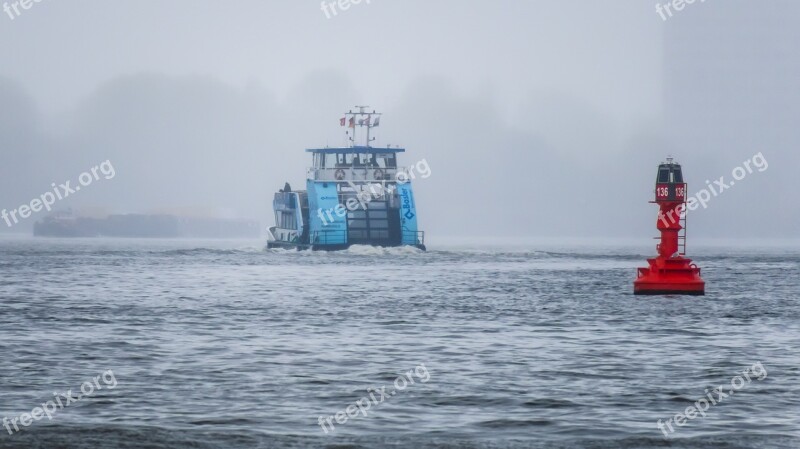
(235, 435)
(367, 250)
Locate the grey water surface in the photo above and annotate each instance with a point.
(226, 345)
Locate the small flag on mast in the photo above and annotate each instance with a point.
(377, 121)
(352, 122)
(342, 121)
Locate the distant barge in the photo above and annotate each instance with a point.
(144, 226)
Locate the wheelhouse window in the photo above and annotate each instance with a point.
(386, 160)
(330, 160)
(367, 159)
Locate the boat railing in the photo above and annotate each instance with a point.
(329, 237)
(376, 174)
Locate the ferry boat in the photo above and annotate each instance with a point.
(355, 195)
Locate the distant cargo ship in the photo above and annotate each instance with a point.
(63, 224)
(356, 195)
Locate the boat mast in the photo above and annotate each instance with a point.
(350, 116)
(362, 111)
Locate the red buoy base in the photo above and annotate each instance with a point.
(672, 276)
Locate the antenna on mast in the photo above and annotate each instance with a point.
(361, 118)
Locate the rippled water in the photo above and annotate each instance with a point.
(226, 345)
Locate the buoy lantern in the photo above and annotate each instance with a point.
(670, 273)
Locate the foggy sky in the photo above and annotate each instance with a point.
(537, 118)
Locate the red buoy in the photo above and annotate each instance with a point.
(670, 273)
